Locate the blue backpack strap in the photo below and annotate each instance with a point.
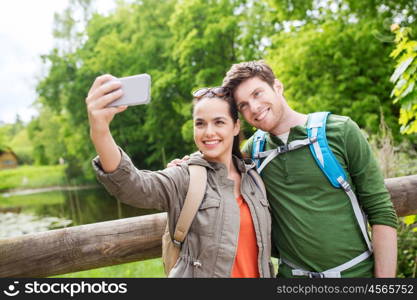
(316, 127)
(258, 146)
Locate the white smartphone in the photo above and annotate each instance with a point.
(136, 90)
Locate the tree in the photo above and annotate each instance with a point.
(329, 55)
(336, 67)
(181, 44)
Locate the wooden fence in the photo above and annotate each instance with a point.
(115, 242)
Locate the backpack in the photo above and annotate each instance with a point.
(325, 159)
(171, 246)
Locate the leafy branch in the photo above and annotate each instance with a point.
(404, 78)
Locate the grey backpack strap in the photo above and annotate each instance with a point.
(330, 273)
(271, 154)
(195, 194)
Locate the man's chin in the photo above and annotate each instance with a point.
(263, 127)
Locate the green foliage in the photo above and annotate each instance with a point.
(395, 161)
(333, 57)
(22, 147)
(405, 79)
(181, 44)
(315, 12)
(29, 201)
(15, 137)
(4, 137)
(407, 247)
(336, 67)
(47, 137)
(31, 176)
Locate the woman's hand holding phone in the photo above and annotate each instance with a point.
(105, 89)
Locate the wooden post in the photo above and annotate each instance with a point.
(83, 247)
(120, 241)
(403, 192)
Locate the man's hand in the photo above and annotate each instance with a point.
(177, 161)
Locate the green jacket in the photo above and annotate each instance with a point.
(210, 247)
(313, 224)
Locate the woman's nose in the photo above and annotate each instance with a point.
(209, 130)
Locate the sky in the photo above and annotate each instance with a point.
(26, 33)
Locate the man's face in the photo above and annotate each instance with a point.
(259, 103)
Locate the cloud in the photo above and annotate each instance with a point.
(25, 34)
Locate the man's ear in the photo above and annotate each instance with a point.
(278, 86)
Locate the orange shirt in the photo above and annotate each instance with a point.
(246, 261)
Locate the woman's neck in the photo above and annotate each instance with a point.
(228, 162)
(232, 172)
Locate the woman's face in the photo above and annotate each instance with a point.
(214, 129)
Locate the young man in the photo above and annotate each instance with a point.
(314, 226)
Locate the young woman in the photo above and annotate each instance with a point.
(230, 234)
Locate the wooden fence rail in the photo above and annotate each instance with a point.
(115, 242)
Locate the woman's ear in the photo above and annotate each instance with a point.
(236, 130)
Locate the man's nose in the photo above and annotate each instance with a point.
(255, 106)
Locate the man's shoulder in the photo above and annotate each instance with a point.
(338, 125)
(247, 145)
(337, 120)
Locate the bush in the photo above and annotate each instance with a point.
(407, 247)
(396, 161)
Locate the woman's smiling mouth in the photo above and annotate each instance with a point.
(211, 143)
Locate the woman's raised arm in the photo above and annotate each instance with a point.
(105, 89)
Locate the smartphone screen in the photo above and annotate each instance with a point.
(136, 90)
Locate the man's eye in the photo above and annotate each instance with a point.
(219, 122)
(198, 124)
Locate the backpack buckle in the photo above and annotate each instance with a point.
(176, 243)
(282, 149)
(315, 275)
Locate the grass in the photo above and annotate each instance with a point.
(47, 198)
(152, 268)
(32, 177)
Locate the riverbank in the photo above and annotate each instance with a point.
(35, 177)
(26, 191)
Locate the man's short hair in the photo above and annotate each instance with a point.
(240, 72)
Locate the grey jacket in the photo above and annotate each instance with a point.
(210, 247)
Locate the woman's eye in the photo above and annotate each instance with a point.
(219, 122)
(242, 106)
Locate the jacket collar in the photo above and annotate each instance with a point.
(243, 166)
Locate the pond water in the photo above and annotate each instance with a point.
(74, 207)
